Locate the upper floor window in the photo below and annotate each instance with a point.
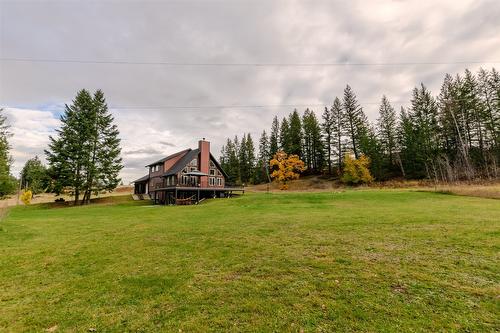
(211, 181)
(212, 172)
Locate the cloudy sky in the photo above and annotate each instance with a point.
(165, 66)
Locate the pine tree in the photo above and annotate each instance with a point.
(313, 150)
(328, 135)
(295, 134)
(274, 137)
(422, 137)
(7, 182)
(355, 120)
(338, 118)
(262, 165)
(85, 155)
(230, 162)
(249, 163)
(103, 168)
(386, 128)
(285, 136)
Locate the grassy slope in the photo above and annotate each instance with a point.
(352, 261)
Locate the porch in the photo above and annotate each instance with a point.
(172, 195)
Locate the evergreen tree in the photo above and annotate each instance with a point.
(262, 165)
(34, 176)
(328, 135)
(230, 161)
(355, 120)
(295, 134)
(285, 136)
(7, 182)
(387, 129)
(274, 137)
(423, 136)
(338, 126)
(85, 155)
(246, 157)
(313, 150)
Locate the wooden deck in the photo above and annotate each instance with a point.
(182, 195)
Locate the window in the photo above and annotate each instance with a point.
(211, 181)
(212, 172)
(193, 169)
(219, 181)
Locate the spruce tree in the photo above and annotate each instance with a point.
(85, 155)
(338, 119)
(295, 134)
(328, 135)
(262, 164)
(313, 149)
(285, 136)
(387, 129)
(355, 120)
(274, 137)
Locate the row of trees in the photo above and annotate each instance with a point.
(455, 135)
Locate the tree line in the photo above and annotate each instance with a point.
(452, 136)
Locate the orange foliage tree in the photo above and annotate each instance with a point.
(285, 168)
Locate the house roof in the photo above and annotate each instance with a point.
(189, 155)
(177, 167)
(142, 179)
(168, 157)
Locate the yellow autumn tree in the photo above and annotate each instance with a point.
(285, 168)
(356, 171)
(26, 197)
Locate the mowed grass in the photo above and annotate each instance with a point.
(374, 260)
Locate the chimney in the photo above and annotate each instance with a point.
(204, 147)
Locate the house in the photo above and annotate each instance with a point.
(185, 177)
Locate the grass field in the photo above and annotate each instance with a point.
(375, 260)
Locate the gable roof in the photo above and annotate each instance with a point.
(181, 164)
(168, 157)
(218, 165)
(177, 167)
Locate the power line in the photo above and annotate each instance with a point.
(242, 64)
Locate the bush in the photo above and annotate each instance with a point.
(26, 197)
(356, 171)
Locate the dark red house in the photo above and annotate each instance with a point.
(185, 177)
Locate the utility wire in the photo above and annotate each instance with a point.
(242, 64)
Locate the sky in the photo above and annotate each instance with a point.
(174, 72)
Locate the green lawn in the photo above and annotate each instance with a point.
(374, 261)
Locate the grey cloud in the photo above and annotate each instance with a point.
(231, 31)
(149, 151)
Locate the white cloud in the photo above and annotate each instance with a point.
(31, 130)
